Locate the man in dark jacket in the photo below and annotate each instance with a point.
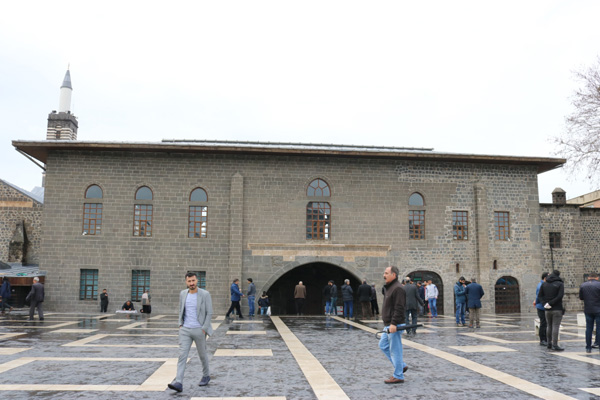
(421, 290)
(327, 297)
(348, 298)
(364, 296)
(334, 297)
(474, 293)
(36, 299)
(412, 301)
(541, 311)
(551, 295)
(392, 313)
(103, 301)
(461, 301)
(236, 296)
(5, 293)
(589, 292)
(374, 305)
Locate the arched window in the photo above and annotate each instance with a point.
(92, 211)
(93, 192)
(143, 193)
(416, 217)
(318, 220)
(198, 214)
(416, 199)
(318, 188)
(143, 213)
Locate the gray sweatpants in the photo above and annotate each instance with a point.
(553, 319)
(186, 336)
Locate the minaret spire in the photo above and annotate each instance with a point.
(64, 104)
(63, 125)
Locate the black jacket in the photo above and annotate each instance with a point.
(364, 292)
(394, 302)
(552, 292)
(412, 297)
(334, 291)
(327, 292)
(589, 292)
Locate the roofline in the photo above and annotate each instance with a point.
(40, 150)
(22, 191)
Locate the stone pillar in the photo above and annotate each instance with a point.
(236, 225)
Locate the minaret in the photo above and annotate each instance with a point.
(63, 125)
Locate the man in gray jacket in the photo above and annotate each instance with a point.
(195, 313)
(36, 299)
(412, 299)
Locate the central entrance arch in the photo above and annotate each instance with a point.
(314, 276)
(422, 276)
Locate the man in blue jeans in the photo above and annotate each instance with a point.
(461, 301)
(392, 313)
(431, 295)
(589, 292)
(348, 298)
(251, 296)
(541, 311)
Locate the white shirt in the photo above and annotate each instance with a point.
(190, 319)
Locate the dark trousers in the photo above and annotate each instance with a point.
(366, 309)
(589, 327)
(543, 324)
(374, 307)
(103, 306)
(236, 305)
(412, 313)
(553, 317)
(33, 306)
(334, 305)
(299, 306)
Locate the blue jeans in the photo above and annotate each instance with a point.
(334, 305)
(413, 312)
(589, 327)
(263, 310)
(327, 306)
(391, 345)
(251, 304)
(433, 307)
(460, 313)
(349, 306)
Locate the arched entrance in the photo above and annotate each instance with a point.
(423, 276)
(314, 276)
(507, 295)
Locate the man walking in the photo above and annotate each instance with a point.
(236, 296)
(36, 298)
(251, 296)
(589, 292)
(348, 298)
(474, 293)
(327, 298)
(541, 312)
(392, 313)
(195, 313)
(364, 296)
(299, 297)
(412, 302)
(551, 295)
(461, 301)
(334, 296)
(103, 301)
(431, 295)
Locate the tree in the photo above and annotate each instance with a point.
(580, 141)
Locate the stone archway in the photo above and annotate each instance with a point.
(422, 276)
(314, 276)
(507, 295)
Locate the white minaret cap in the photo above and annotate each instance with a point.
(64, 104)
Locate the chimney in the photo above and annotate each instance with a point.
(559, 196)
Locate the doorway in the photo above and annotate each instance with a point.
(507, 295)
(422, 276)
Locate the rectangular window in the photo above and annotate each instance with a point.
(92, 219)
(318, 220)
(460, 225)
(416, 224)
(501, 224)
(201, 278)
(555, 240)
(140, 281)
(88, 284)
(142, 220)
(197, 221)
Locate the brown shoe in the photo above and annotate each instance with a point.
(394, 380)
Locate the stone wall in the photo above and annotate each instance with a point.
(257, 222)
(17, 208)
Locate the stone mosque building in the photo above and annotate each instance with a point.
(133, 216)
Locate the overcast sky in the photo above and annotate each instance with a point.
(462, 77)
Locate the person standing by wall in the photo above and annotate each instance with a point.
(146, 307)
(334, 296)
(551, 295)
(327, 297)
(348, 299)
(461, 301)
(103, 301)
(299, 297)
(195, 313)
(5, 293)
(364, 296)
(412, 301)
(36, 299)
(474, 293)
(251, 296)
(589, 292)
(392, 313)
(236, 296)
(374, 305)
(263, 303)
(541, 312)
(421, 290)
(431, 295)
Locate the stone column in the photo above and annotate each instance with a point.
(236, 225)
(484, 264)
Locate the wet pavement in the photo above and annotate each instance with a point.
(102, 356)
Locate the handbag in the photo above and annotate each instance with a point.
(269, 310)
